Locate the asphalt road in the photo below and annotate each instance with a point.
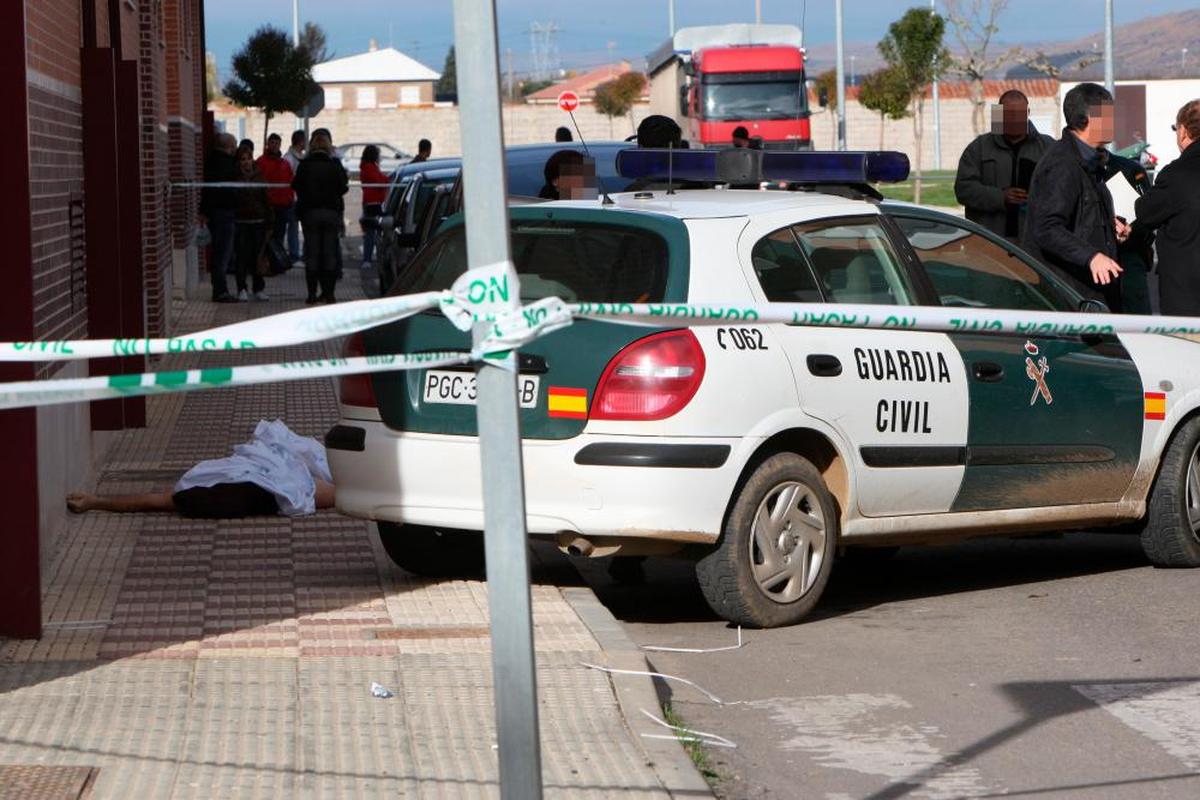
(1061, 668)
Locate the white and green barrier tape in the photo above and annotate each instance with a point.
(483, 297)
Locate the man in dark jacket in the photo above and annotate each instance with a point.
(1173, 208)
(995, 169)
(1070, 223)
(217, 208)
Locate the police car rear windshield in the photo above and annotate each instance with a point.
(577, 262)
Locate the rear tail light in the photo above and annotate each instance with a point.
(356, 390)
(652, 378)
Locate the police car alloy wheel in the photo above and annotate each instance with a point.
(433, 552)
(1171, 537)
(776, 552)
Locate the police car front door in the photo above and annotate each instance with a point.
(896, 398)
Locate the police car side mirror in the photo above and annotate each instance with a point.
(1090, 306)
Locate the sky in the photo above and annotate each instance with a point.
(590, 31)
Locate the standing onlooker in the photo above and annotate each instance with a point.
(563, 134)
(253, 216)
(374, 189)
(320, 183)
(294, 156)
(1070, 224)
(217, 205)
(275, 170)
(995, 169)
(247, 144)
(1172, 207)
(424, 150)
(741, 137)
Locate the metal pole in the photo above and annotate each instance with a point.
(671, 16)
(937, 113)
(296, 43)
(1108, 47)
(841, 80)
(758, 12)
(505, 545)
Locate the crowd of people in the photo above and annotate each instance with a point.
(1053, 198)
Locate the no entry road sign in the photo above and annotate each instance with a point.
(568, 101)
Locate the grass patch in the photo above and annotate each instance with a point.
(695, 750)
(937, 189)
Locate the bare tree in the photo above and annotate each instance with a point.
(1043, 64)
(974, 25)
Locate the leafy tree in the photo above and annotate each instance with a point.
(448, 83)
(974, 25)
(313, 40)
(913, 47)
(884, 91)
(271, 75)
(615, 98)
(825, 85)
(529, 87)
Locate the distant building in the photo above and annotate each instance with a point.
(378, 78)
(583, 85)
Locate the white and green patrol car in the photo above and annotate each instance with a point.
(762, 449)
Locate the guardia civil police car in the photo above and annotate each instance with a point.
(759, 450)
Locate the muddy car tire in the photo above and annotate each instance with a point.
(433, 552)
(776, 552)
(1171, 536)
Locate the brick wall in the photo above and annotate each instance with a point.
(56, 171)
(156, 244)
(184, 101)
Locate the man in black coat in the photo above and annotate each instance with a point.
(1173, 208)
(217, 207)
(994, 171)
(1070, 222)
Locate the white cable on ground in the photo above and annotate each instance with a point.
(689, 734)
(694, 685)
(661, 649)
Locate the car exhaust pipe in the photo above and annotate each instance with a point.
(578, 546)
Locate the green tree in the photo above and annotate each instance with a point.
(271, 75)
(884, 91)
(913, 47)
(825, 85)
(313, 40)
(448, 83)
(615, 98)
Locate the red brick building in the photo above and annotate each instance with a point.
(107, 98)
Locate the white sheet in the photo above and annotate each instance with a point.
(1124, 196)
(285, 464)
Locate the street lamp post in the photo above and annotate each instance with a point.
(1182, 61)
(937, 112)
(853, 75)
(841, 80)
(1109, 83)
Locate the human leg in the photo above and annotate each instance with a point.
(293, 234)
(245, 253)
(221, 227)
(225, 501)
(311, 260)
(79, 502)
(325, 495)
(329, 246)
(370, 231)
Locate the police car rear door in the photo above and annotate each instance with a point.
(1056, 415)
(896, 398)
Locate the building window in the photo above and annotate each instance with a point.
(365, 97)
(410, 95)
(333, 98)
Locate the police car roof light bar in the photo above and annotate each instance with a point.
(715, 166)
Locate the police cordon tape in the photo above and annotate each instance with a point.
(482, 296)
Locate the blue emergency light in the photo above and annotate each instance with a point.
(742, 166)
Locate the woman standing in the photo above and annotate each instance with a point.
(1172, 207)
(252, 220)
(320, 184)
(374, 189)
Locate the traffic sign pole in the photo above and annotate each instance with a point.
(505, 544)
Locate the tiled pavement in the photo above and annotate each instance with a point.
(234, 660)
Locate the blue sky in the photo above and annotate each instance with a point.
(424, 28)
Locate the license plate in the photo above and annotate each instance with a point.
(458, 388)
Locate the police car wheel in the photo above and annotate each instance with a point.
(433, 552)
(1171, 536)
(776, 551)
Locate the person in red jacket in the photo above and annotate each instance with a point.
(275, 169)
(374, 189)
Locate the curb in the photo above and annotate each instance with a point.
(670, 763)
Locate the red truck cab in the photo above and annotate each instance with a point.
(760, 87)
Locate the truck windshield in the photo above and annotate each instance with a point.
(728, 102)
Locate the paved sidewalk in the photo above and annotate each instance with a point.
(235, 659)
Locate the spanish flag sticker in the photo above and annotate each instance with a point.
(565, 402)
(1156, 405)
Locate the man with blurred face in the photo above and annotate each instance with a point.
(1071, 223)
(995, 169)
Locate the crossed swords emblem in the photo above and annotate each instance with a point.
(1037, 373)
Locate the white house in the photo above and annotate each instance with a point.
(378, 78)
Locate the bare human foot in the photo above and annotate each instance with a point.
(79, 502)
